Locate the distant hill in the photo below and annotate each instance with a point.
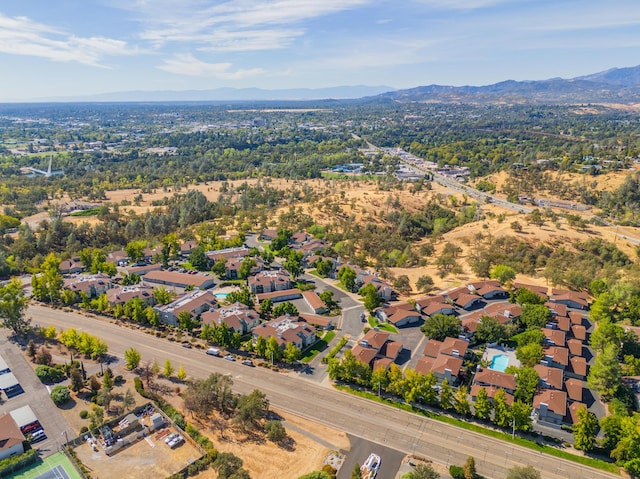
(618, 85)
(233, 94)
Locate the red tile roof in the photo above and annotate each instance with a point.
(573, 411)
(557, 308)
(363, 354)
(432, 348)
(492, 377)
(579, 332)
(574, 389)
(424, 365)
(554, 336)
(579, 365)
(10, 434)
(558, 354)
(443, 362)
(491, 392)
(563, 322)
(576, 317)
(555, 400)
(575, 347)
(539, 290)
(507, 309)
(550, 376)
(376, 339)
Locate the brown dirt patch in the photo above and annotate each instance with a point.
(264, 459)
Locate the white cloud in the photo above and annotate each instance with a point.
(191, 66)
(232, 25)
(23, 36)
(463, 4)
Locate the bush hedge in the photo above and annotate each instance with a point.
(15, 463)
(50, 374)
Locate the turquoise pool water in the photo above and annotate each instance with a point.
(499, 362)
(221, 295)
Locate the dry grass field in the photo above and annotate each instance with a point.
(360, 201)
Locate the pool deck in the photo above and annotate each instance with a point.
(490, 352)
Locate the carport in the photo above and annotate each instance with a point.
(4, 368)
(10, 385)
(24, 416)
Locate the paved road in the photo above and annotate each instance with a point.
(374, 422)
(352, 307)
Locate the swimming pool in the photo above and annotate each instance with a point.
(221, 295)
(499, 362)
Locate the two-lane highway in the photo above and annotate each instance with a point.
(375, 422)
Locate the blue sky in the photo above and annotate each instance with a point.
(77, 47)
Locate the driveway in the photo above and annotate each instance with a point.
(390, 459)
(351, 306)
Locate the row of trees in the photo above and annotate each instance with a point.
(414, 387)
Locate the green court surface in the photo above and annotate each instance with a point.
(52, 467)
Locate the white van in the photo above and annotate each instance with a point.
(213, 352)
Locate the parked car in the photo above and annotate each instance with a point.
(175, 441)
(247, 362)
(230, 357)
(38, 436)
(213, 352)
(186, 345)
(171, 437)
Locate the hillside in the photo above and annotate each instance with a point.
(355, 202)
(616, 86)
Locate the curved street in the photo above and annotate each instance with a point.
(375, 422)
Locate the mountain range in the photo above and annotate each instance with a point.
(233, 95)
(617, 85)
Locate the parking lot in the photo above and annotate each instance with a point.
(36, 395)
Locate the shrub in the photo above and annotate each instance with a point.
(60, 395)
(457, 472)
(275, 430)
(330, 470)
(84, 414)
(203, 441)
(49, 374)
(335, 350)
(84, 429)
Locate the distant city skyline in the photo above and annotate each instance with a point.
(79, 48)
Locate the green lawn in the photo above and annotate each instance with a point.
(528, 443)
(88, 212)
(40, 467)
(321, 345)
(374, 323)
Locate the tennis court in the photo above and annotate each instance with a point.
(52, 467)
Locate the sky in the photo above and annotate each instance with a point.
(68, 48)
